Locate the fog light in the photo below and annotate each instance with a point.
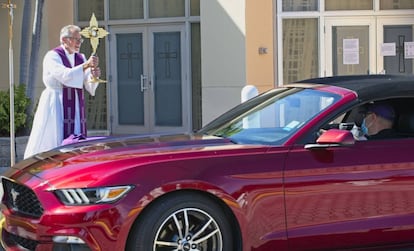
(68, 240)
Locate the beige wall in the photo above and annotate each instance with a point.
(260, 27)
(57, 19)
(53, 19)
(223, 53)
(226, 53)
(4, 43)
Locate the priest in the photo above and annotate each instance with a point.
(61, 109)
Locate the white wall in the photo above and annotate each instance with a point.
(223, 55)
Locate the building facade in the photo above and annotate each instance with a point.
(174, 65)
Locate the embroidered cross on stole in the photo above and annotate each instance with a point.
(69, 100)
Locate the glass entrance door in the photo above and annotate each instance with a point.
(398, 35)
(374, 45)
(350, 46)
(148, 89)
(396, 48)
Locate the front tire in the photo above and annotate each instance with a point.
(182, 222)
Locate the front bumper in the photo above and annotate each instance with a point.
(81, 231)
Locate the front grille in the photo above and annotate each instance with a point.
(15, 240)
(21, 199)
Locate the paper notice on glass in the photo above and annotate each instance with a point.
(351, 51)
(388, 49)
(409, 49)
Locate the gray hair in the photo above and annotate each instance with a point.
(68, 30)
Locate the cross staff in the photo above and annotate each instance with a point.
(11, 6)
(94, 33)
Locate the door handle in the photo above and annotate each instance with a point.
(151, 83)
(143, 86)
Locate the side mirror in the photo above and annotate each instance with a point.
(333, 138)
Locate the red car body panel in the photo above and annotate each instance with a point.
(249, 191)
(334, 194)
(366, 199)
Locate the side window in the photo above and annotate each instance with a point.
(350, 120)
(404, 123)
(377, 120)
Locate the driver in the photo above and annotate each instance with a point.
(378, 122)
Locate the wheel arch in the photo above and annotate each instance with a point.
(227, 210)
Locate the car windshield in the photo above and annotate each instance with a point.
(270, 118)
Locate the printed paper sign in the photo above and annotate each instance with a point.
(409, 49)
(351, 51)
(388, 49)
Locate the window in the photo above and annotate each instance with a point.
(300, 5)
(195, 8)
(396, 4)
(273, 117)
(86, 8)
(196, 75)
(126, 9)
(300, 49)
(402, 125)
(95, 106)
(349, 5)
(166, 8)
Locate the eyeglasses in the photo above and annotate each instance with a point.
(79, 40)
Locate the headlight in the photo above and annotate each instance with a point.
(90, 196)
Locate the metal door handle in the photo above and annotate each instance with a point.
(143, 86)
(151, 83)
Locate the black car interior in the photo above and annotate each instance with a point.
(403, 124)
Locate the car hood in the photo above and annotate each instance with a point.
(108, 156)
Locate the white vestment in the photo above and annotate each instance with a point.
(47, 128)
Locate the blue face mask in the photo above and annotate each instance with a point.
(364, 128)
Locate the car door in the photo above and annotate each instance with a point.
(353, 196)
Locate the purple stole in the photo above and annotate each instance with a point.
(69, 99)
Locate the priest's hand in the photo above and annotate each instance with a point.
(96, 72)
(92, 62)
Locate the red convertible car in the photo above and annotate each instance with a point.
(289, 169)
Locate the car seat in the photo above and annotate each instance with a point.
(405, 124)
